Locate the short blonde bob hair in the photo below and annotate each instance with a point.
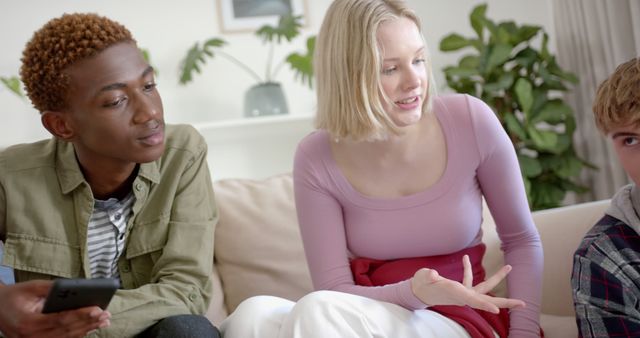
(348, 64)
(617, 101)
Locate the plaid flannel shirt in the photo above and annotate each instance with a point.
(606, 281)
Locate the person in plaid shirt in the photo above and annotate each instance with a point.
(606, 265)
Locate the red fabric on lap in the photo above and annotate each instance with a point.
(478, 323)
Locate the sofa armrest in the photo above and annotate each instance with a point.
(561, 231)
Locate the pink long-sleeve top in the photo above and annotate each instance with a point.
(337, 222)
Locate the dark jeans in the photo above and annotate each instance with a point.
(182, 326)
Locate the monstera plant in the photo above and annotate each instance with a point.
(266, 96)
(522, 84)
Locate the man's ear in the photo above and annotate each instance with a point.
(56, 123)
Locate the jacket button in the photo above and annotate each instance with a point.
(193, 296)
(125, 268)
(139, 186)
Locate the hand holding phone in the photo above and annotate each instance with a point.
(69, 294)
(20, 314)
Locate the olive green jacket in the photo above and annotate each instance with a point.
(165, 269)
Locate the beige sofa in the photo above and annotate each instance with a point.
(258, 249)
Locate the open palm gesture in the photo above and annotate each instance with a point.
(433, 289)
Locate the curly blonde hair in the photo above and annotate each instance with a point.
(617, 101)
(58, 44)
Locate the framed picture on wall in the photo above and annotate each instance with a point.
(249, 15)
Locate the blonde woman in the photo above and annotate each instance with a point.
(389, 198)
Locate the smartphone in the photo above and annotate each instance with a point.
(69, 294)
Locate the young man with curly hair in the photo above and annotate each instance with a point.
(114, 193)
(606, 266)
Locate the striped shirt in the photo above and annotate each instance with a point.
(106, 235)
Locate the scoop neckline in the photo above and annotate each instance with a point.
(439, 188)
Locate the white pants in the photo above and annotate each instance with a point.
(328, 314)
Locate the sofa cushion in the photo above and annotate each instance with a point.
(561, 231)
(257, 240)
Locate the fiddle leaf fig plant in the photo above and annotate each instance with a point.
(288, 28)
(522, 84)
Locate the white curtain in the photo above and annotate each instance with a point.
(593, 37)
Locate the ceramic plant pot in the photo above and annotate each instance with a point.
(265, 99)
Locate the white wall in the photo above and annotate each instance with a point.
(168, 28)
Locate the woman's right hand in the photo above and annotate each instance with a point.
(433, 289)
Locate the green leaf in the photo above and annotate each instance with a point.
(544, 53)
(508, 27)
(553, 112)
(557, 71)
(196, 57)
(539, 100)
(477, 18)
(503, 36)
(526, 32)
(564, 143)
(214, 42)
(527, 188)
(469, 61)
(514, 126)
(13, 84)
(288, 28)
(569, 77)
(529, 166)
(526, 57)
(493, 29)
(477, 44)
(571, 186)
(543, 139)
(459, 71)
(499, 55)
(551, 82)
(567, 166)
(145, 55)
(546, 195)
(504, 82)
(524, 94)
(302, 64)
(453, 42)
(569, 124)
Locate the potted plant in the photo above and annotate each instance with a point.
(521, 83)
(266, 97)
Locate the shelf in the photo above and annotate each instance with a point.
(253, 121)
(255, 147)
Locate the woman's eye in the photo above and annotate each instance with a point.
(630, 141)
(419, 61)
(389, 70)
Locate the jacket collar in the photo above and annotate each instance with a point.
(70, 176)
(625, 206)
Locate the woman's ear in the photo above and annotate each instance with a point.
(56, 123)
